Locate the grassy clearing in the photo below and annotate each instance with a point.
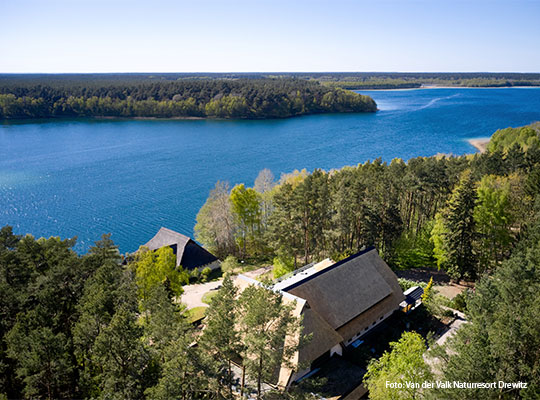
(208, 296)
(195, 314)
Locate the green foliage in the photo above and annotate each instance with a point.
(213, 98)
(246, 209)
(459, 302)
(37, 322)
(164, 320)
(209, 296)
(84, 326)
(502, 338)
(153, 268)
(215, 227)
(176, 365)
(221, 338)
(195, 314)
(230, 264)
(403, 209)
(428, 294)
(403, 364)
(527, 137)
(395, 80)
(43, 359)
(181, 375)
(205, 273)
(265, 321)
(282, 267)
(96, 308)
(430, 300)
(120, 353)
(413, 251)
(195, 274)
(454, 231)
(495, 215)
(407, 284)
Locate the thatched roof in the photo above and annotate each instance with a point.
(341, 292)
(357, 290)
(188, 253)
(323, 337)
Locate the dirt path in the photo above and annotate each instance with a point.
(449, 291)
(454, 326)
(192, 296)
(442, 282)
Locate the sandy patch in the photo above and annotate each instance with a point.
(480, 144)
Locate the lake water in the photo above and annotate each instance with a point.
(85, 177)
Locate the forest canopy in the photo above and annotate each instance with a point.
(128, 96)
(524, 136)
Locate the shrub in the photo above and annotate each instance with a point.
(459, 302)
(229, 264)
(407, 284)
(205, 274)
(413, 251)
(282, 266)
(195, 274)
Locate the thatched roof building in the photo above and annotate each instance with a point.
(188, 253)
(339, 302)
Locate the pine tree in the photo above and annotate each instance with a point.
(460, 225)
(501, 340)
(284, 227)
(265, 322)
(120, 351)
(220, 338)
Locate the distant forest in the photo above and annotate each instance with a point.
(218, 95)
(383, 80)
(169, 96)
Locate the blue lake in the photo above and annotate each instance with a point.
(87, 177)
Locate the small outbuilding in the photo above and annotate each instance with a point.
(189, 254)
(413, 298)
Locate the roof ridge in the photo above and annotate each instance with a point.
(327, 269)
(285, 294)
(163, 228)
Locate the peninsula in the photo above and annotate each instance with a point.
(171, 96)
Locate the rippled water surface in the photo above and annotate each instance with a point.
(83, 178)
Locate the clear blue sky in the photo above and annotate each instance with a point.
(260, 35)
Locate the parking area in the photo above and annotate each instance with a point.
(192, 296)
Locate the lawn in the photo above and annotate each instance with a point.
(208, 296)
(195, 314)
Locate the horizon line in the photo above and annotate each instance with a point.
(268, 72)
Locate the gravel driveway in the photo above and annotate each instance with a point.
(192, 296)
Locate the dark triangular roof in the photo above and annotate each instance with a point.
(188, 253)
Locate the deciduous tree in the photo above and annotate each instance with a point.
(404, 365)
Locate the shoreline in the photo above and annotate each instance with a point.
(178, 118)
(479, 144)
(445, 87)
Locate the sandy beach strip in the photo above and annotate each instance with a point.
(480, 144)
